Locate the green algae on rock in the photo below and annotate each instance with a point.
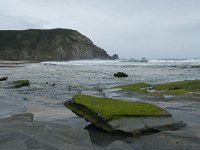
(21, 83)
(113, 115)
(136, 87)
(109, 108)
(179, 87)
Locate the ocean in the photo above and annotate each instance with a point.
(154, 71)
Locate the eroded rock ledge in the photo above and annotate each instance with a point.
(122, 116)
(186, 87)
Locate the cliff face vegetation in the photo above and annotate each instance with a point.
(48, 45)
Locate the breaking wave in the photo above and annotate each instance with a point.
(127, 62)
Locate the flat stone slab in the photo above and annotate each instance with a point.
(134, 124)
(114, 115)
(186, 87)
(20, 132)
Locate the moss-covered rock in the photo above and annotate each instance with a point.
(108, 108)
(21, 83)
(119, 115)
(180, 87)
(120, 75)
(3, 78)
(139, 87)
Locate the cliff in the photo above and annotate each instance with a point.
(48, 45)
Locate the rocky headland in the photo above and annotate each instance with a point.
(48, 45)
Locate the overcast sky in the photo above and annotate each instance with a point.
(130, 28)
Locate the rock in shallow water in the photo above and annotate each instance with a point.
(120, 75)
(121, 116)
(172, 88)
(21, 83)
(3, 78)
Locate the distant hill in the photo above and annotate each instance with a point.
(48, 45)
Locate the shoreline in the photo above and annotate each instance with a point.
(40, 106)
(11, 64)
(4, 62)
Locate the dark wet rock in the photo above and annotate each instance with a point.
(3, 78)
(21, 83)
(120, 74)
(198, 66)
(122, 116)
(115, 56)
(25, 98)
(19, 132)
(53, 84)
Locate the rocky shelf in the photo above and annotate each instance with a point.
(185, 87)
(114, 115)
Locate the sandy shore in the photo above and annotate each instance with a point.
(15, 63)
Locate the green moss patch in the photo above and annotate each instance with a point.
(136, 87)
(108, 108)
(180, 87)
(20, 83)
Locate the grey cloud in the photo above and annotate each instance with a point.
(19, 22)
(131, 28)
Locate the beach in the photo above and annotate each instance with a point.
(53, 83)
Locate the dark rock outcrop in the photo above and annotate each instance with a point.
(3, 78)
(120, 75)
(48, 45)
(115, 56)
